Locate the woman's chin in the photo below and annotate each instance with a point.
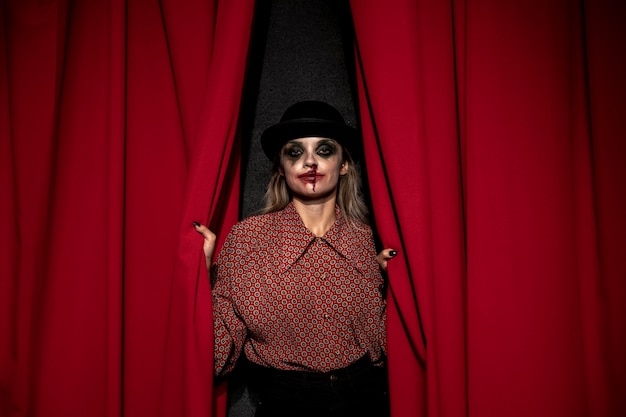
(310, 196)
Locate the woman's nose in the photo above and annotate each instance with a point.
(310, 160)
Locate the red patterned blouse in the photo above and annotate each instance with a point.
(294, 301)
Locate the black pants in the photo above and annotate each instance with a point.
(358, 390)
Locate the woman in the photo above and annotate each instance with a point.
(298, 288)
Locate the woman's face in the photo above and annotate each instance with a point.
(312, 167)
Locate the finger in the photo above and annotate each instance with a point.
(385, 255)
(382, 262)
(204, 231)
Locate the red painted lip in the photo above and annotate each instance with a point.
(311, 176)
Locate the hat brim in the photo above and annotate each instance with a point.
(274, 137)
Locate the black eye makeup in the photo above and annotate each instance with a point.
(293, 150)
(326, 148)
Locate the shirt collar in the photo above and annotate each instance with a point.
(295, 237)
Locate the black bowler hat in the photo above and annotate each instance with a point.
(308, 119)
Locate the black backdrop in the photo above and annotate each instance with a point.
(301, 50)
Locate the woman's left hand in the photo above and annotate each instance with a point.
(208, 245)
(384, 256)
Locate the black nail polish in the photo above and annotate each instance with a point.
(393, 253)
(195, 224)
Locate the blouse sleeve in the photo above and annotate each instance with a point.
(229, 330)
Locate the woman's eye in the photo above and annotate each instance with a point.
(325, 150)
(293, 152)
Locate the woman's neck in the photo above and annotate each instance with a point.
(317, 216)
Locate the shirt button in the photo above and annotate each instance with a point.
(333, 378)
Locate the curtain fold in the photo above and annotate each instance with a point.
(191, 298)
(65, 211)
(118, 129)
(492, 144)
(408, 113)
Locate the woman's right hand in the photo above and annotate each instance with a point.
(209, 243)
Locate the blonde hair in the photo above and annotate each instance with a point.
(349, 197)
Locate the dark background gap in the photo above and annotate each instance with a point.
(301, 50)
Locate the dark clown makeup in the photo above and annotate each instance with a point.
(312, 164)
(325, 148)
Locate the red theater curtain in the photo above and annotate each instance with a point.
(117, 130)
(495, 143)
